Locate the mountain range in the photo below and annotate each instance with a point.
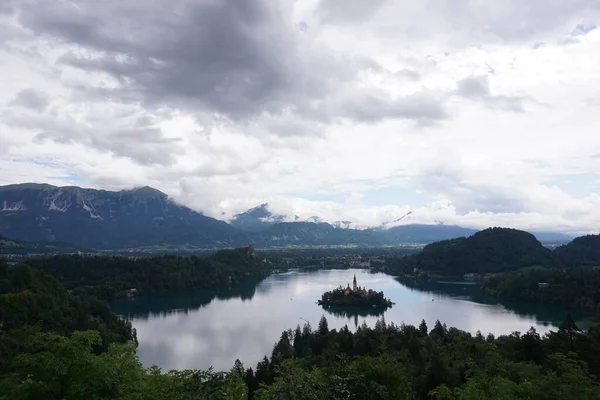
(146, 217)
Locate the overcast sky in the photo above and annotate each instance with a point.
(472, 112)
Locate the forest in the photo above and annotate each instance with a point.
(107, 277)
(575, 288)
(491, 250)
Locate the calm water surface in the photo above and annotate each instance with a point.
(199, 329)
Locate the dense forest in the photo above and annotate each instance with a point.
(107, 277)
(583, 251)
(576, 288)
(407, 362)
(488, 251)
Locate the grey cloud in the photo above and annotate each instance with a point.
(408, 74)
(473, 87)
(234, 59)
(466, 196)
(508, 20)
(231, 57)
(478, 88)
(144, 145)
(423, 107)
(31, 98)
(348, 11)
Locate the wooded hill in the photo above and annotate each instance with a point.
(496, 250)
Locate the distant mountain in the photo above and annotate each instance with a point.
(583, 251)
(489, 250)
(552, 237)
(311, 233)
(342, 224)
(104, 219)
(146, 217)
(417, 233)
(256, 219)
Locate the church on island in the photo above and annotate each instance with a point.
(354, 296)
(355, 288)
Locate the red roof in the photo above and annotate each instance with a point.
(348, 288)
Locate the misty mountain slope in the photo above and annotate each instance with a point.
(104, 219)
(420, 233)
(311, 233)
(256, 219)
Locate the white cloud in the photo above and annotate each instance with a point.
(399, 96)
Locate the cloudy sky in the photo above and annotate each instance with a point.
(472, 112)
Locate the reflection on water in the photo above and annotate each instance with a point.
(199, 329)
(163, 304)
(471, 291)
(352, 313)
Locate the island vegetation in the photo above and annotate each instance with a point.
(354, 297)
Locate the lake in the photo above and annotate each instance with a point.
(200, 328)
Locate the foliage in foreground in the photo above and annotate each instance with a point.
(386, 362)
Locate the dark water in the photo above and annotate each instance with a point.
(199, 329)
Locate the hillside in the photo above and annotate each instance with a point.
(490, 250)
(110, 276)
(311, 234)
(15, 247)
(256, 219)
(420, 233)
(582, 251)
(103, 219)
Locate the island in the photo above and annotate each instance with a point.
(354, 297)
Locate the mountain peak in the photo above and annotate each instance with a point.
(256, 219)
(104, 219)
(147, 192)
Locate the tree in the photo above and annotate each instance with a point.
(423, 328)
(284, 348)
(439, 329)
(570, 328)
(67, 368)
(532, 346)
(306, 330)
(323, 326)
